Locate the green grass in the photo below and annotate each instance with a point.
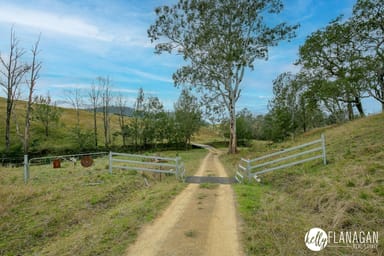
(345, 195)
(81, 211)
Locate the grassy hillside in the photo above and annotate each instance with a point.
(345, 195)
(61, 135)
(81, 211)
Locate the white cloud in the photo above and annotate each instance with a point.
(149, 75)
(58, 23)
(86, 87)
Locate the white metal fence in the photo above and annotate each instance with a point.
(145, 163)
(48, 159)
(250, 168)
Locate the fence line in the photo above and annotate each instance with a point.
(154, 164)
(43, 160)
(35, 159)
(245, 172)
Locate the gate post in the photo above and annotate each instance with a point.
(248, 169)
(26, 169)
(177, 167)
(110, 162)
(324, 149)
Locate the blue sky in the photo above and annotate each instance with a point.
(81, 40)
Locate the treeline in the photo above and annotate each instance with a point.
(151, 125)
(339, 66)
(148, 123)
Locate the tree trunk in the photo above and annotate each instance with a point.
(359, 106)
(27, 122)
(350, 111)
(382, 96)
(232, 126)
(8, 122)
(105, 127)
(95, 125)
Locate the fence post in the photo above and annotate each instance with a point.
(177, 167)
(248, 169)
(110, 162)
(26, 169)
(324, 149)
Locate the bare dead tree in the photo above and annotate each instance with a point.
(74, 98)
(121, 104)
(31, 83)
(12, 72)
(106, 98)
(94, 96)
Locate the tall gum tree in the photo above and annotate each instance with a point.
(218, 40)
(368, 22)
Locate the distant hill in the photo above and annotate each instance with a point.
(61, 137)
(127, 111)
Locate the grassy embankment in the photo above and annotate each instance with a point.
(345, 195)
(81, 211)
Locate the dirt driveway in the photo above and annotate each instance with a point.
(200, 221)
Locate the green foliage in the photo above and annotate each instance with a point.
(220, 40)
(246, 127)
(46, 112)
(367, 20)
(334, 55)
(294, 108)
(187, 116)
(341, 64)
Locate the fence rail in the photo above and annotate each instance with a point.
(246, 166)
(47, 159)
(154, 164)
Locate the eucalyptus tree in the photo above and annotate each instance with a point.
(153, 116)
(46, 112)
(94, 97)
(294, 98)
(332, 56)
(121, 104)
(188, 115)
(136, 125)
(219, 40)
(368, 22)
(105, 86)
